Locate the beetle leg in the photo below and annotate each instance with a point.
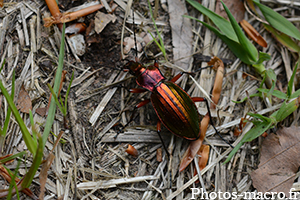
(142, 103)
(158, 132)
(201, 99)
(156, 64)
(175, 78)
(137, 90)
(168, 154)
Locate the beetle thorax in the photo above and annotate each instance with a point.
(149, 78)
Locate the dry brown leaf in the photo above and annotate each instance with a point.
(203, 157)
(24, 102)
(44, 174)
(253, 34)
(279, 162)
(182, 34)
(236, 8)
(102, 19)
(194, 146)
(4, 192)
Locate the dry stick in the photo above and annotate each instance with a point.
(67, 17)
(53, 7)
(24, 27)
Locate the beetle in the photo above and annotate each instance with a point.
(175, 109)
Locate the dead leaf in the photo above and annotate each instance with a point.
(142, 40)
(24, 102)
(216, 93)
(4, 192)
(203, 157)
(102, 19)
(182, 34)
(194, 146)
(44, 174)
(41, 111)
(279, 162)
(236, 8)
(253, 34)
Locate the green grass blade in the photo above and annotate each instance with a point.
(52, 108)
(55, 98)
(278, 21)
(156, 42)
(262, 57)
(283, 39)
(238, 50)
(223, 25)
(161, 46)
(50, 118)
(34, 132)
(243, 40)
(295, 94)
(286, 109)
(2, 65)
(249, 136)
(12, 157)
(35, 164)
(291, 82)
(13, 182)
(276, 93)
(6, 122)
(26, 135)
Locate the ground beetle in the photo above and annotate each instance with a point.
(175, 109)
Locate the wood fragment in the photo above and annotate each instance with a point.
(67, 17)
(20, 35)
(85, 85)
(3, 30)
(25, 26)
(38, 30)
(32, 25)
(181, 34)
(9, 59)
(133, 135)
(112, 183)
(105, 99)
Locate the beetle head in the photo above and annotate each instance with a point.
(134, 68)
